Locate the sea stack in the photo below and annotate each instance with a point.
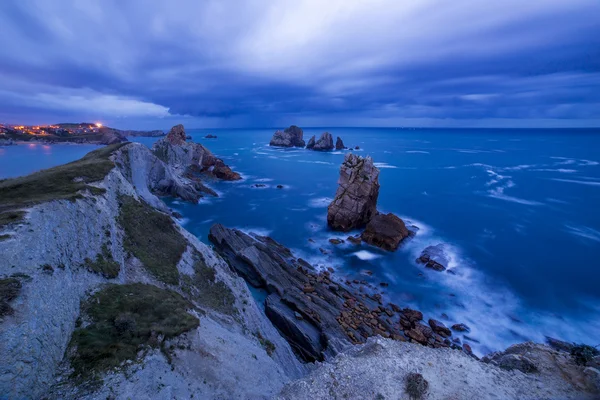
(355, 201)
(289, 137)
(325, 142)
(339, 144)
(385, 231)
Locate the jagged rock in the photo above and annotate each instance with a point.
(337, 312)
(336, 241)
(325, 143)
(461, 328)
(339, 144)
(385, 231)
(176, 135)
(311, 143)
(289, 137)
(191, 157)
(515, 361)
(440, 328)
(434, 257)
(559, 344)
(356, 240)
(355, 201)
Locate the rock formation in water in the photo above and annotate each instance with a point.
(339, 144)
(289, 137)
(325, 142)
(191, 158)
(385, 231)
(311, 143)
(210, 136)
(355, 201)
(434, 257)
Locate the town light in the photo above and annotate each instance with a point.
(98, 125)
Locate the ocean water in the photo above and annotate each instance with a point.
(517, 209)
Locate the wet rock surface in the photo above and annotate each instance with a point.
(355, 201)
(385, 231)
(289, 137)
(334, 314)
(435, 257)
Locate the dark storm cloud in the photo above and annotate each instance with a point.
(231, 63)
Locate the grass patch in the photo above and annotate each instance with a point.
(207, 290)
(9, 289)
(104, 264)
(583, 353)
(123, 320)
(153, 238)
(265, 343)
(58, 183)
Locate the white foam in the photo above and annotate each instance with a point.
(417, 152)
(263, 180)
(588, 183)
(584, 231)
(315, 162)
(255, 230)
(366, 255)
(319, 202)
(561, 170)
(383, 165)
(182, 221)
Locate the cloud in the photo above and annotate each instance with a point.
(380, 62)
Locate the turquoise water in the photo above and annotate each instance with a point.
(517, 208)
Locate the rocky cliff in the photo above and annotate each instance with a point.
(109, 298)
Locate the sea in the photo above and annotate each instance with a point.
(517, 210)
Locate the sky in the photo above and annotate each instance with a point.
(149, 64)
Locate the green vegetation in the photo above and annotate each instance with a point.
(104, 264)
(416, 386)
(59, 183)
(207, 291)
(9, 289)
(123, 320)
(153, 238)
(266, 344)
(583, 353)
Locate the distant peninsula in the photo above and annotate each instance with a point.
(78, 133)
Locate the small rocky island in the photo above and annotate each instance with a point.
(103, 295)
(293, 137)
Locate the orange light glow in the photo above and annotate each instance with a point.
(98, 125)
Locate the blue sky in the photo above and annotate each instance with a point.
(263, 63)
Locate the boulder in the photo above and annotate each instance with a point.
(311, 143)
(355, 201)
(339, 144)
(176, 135)
(325, 142)
(289, 137)
(385, 231)
(559, 344)
(439, 328)
(210, 136)
(461, 328)
(434, 257)
(222, 171)
(510, 362)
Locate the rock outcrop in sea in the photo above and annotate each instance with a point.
(339, 144)
(189, 157)
(385, 231)
(434, 257)
(325, 143)
(355, 201)
(289, 137)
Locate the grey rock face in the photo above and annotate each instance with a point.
(516, 361)
(176, 135)
(435, 257)
(311, 143)
(355, 201)
(339, 144)
(325, 142)
(289, 137)
(385, 231)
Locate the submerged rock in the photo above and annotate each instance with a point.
(439, 328)
(289, 137)
(339, 144)
(355, 201)
(210, 136)
(385, 231)
(435, 257)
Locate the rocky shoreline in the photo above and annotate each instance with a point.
(103, 295)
